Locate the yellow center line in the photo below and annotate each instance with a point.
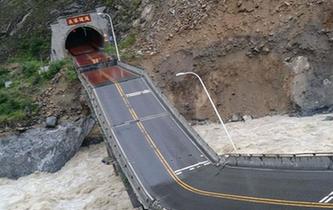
(204, 192)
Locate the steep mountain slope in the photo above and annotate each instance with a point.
(257, 57)
(25, 36)
(25, 25)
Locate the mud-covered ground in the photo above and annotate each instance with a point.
(247, 52)
(86, 183)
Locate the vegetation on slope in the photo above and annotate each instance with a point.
(25, 45)
(28, 80)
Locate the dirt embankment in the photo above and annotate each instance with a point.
(257, 57)
(247, 52)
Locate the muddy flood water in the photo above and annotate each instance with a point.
(86, 183)
(83, 183)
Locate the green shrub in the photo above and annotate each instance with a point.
(36, 81)
(70, 72)
(54, 68)
(14, 105)
(34, 46)
(3, 72)
(123, 45)
(4, 76)
(128, 41)
(30, 73)
(12, 118)
(12, 100)
(110, 49)
(109, 3)
(30, 68)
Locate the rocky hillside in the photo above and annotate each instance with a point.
(25, 25)
(257, 57)
(27, 95)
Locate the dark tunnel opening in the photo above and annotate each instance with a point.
(84, 40)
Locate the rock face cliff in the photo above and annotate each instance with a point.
(42, 149)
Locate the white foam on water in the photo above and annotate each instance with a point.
(85, 183)
(272, 135)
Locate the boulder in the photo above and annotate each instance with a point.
(51, 122)
(312, 86)
(236, 117)
(42, 149)
(247, 118)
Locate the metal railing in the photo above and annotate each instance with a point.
(143, 196)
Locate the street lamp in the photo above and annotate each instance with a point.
(113, 33)
(211, 101)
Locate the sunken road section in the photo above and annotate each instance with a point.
(168, 166)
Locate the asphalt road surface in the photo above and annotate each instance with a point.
(177, 173)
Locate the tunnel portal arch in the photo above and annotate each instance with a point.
(86, 37)
(66, 33)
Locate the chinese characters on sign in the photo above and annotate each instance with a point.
(78, 20)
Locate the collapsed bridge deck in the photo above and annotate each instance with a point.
(169, 166)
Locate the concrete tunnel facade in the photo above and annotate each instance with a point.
(78, 30)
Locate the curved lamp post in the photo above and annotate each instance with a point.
(113, 33)
(211, 101)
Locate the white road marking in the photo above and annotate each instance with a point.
(164, 106)
(327, 199)
(138, 93)
(151, 117)
(118, 143)
(192, 167)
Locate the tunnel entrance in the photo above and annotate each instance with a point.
(84, 40)
(88, 29)
(85, 45)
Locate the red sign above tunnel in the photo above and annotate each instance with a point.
(78, 20)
